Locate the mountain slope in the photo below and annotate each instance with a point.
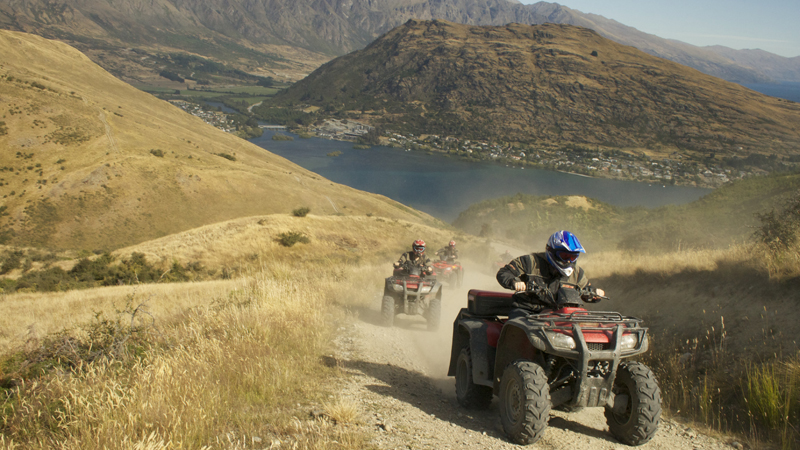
(91, 162)
(285, 38)
(546, 85)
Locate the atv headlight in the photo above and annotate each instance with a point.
(397, 287)
(560, 340)
(425, 289)
(628, 342)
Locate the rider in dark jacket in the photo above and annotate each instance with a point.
(416, 257)
(557, 264)
(448, 253)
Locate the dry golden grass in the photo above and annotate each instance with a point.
(227, 371)
(34, 315)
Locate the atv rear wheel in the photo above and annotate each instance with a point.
(469, 394)
(634, 417)
(434, 313)
(387, 311)
(524, 402)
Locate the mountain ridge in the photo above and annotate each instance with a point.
(270, 33)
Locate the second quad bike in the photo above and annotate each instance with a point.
(450, 271)
(562, 357)
(411, 291)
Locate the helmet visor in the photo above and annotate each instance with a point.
(566, 256)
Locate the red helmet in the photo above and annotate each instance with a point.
(452, 243)
(418, 246)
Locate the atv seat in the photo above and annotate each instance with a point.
(489, 303)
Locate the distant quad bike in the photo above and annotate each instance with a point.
(411, 291)
(562, 357)
(450, 271)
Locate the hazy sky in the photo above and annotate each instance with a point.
(771, 25)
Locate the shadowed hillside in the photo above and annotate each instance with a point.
(545, 85)
(726, 215)
(91, 162)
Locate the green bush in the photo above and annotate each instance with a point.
(301, 212)
(11, 261)
(101, 271)
(290, 238)
(157, 152)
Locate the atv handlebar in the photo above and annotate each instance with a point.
(537, 288)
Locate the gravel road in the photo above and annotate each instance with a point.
(406, 400)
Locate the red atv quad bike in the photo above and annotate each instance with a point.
(561, 357)
(449, 271)
(411, 291)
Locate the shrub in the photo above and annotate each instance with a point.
(780, 230)
(281, 137)
(301, 212)
(290, 238)
(13, 260)
(157, 152)
(226, 156)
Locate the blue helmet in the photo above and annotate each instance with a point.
(563, 249)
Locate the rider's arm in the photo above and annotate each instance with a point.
(515, 272)
(402, 260)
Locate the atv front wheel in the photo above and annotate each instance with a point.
(524, 402)
(469, 394)
(634, 417)
(387, 311)
(434, 313)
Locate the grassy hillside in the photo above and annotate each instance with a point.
(240, 248)
(726, 215)
(90, 162)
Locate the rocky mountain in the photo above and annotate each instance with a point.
(546, 85)
(90, 162)
(290, 38)
(772, 66)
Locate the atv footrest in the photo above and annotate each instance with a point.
(489, 303)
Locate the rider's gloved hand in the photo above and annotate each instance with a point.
(397, 264)
(520, 286)
(593, 295)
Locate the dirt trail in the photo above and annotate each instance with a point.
(399, 381)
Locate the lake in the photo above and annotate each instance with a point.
(786, 90)
(443, 187)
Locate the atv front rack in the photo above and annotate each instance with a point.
(598, 317)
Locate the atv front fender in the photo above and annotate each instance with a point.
(516, 342)
(472, 332)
